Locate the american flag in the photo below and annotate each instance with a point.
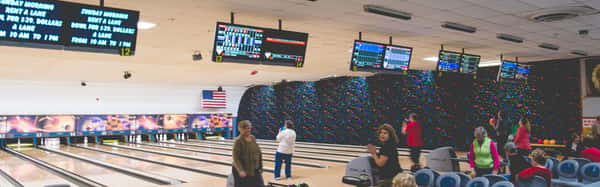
(214, 99)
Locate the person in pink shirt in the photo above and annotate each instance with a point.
(522, 137)
(483, 154)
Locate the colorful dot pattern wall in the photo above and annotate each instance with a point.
(347, 110)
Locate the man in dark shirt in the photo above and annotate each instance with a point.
(517, 162)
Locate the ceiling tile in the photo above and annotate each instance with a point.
(444, 5)
(509, 20)
(506, 6)
(477, 11)
(593, 3)
(549, 3)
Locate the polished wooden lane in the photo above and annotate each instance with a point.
(27, 173)
(157, 169)
(100, 174)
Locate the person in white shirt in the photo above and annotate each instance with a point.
(287, 139)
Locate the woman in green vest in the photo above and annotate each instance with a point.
(483, 155)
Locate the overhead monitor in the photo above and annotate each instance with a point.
(367, 55)
(256, 45)
(33, 21)
(449, 61)
(469, 64)
(67, 25)
(101, 29)
(397, 58)
(523, 72)
(508, 70)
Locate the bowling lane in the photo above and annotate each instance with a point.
(194, 154)
(190, 146)
(96, 173)
(299, 150)
(27, 173)
(156, 169)
(321, 148)
(171, 160)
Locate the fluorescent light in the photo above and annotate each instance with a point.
(431, 58)
(491, 63)
(144, 25)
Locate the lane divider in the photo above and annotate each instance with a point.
(225, 154)
(136, 173)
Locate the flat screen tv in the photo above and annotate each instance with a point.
(449, 61)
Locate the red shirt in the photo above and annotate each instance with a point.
(535, 171)
(414, 134)
(522, 138)
(592, 154)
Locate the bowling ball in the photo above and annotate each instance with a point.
(253, 72)
(552, 141)
(546, 141)
(540, 141)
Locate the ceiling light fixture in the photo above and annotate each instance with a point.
(144, 25)
(579, 52)
(459, 27)
(510, 38)
(380, 10)
(431, 58)
(549, 46)
(491, 63)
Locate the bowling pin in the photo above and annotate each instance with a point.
(139, 138)
(85, 140)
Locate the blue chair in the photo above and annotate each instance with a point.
(552, 165)
(567, 174)
(426, 177)
(567, 170)
(596, 184)
(494, 178)
(590, 173)
(448, 180)
(582, 162)
(503, 184)
(479, 182)
(464, 179)
(536, 181)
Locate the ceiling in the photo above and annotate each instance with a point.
(164, 53)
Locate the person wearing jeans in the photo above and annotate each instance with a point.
(287, 139)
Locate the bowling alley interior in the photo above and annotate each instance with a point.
(299, 93)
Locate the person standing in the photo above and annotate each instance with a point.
(522, 137)
(247, 158)
(516, 162)
(387, 157)
(285, 150)
(483, 154)
(492, 129)
(414, 138)
(596, 132)
(503, 129)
